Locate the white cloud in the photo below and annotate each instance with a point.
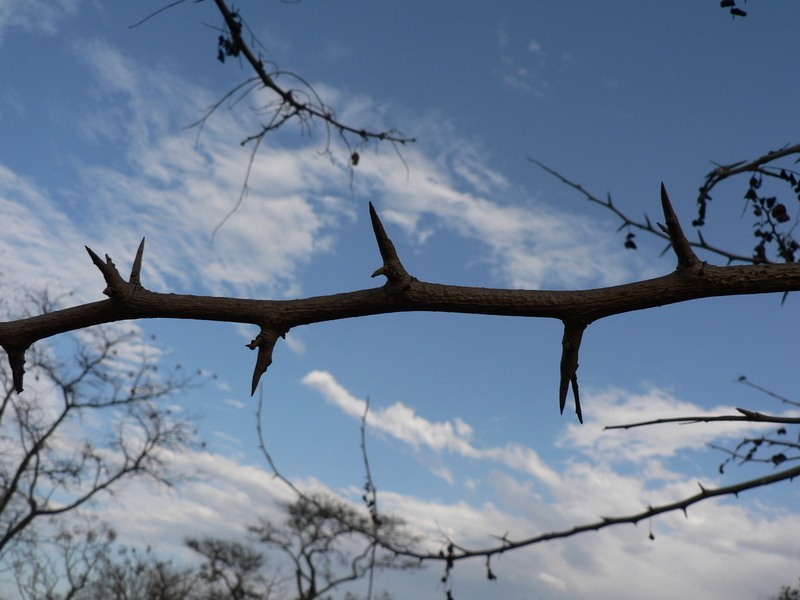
(174, 193)
(744, 549)
(617, 407)
(35, 233)
(295, 344)
(34, 15)
(529, 246)
(403, 424)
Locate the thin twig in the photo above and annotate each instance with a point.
(750, 416)
(604, 522)
(644, 226)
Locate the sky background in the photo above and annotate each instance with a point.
(465, 437)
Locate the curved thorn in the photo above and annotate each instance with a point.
(392, 267)
(109, 270)
(265, 342)
(136, 270)
(683, 250)
(571, 343)
(16, 360)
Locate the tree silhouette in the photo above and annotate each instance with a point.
(108, 377)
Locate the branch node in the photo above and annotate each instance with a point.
(571, 342)
(114, 281)
(265, 342)
(392, 268)
(750, 414)
(683, 250)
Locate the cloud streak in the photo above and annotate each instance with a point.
(402, 423)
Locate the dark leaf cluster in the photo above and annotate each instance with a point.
(735, 11)
(774, 222)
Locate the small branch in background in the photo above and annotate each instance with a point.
(456, 553)
(746, 416)
(646, 225)
(769, 213)
(370, 498)
(743, 380)
(773, 226)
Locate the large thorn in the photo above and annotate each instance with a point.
(136, 270)
(683, 250)
(114, 281)
(16, 360)
(571, 343)
(392, 267)
(265, 342)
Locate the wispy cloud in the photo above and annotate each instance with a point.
(174, 193)
(583, 491)
(34, 15)
(744, 548)
(529, 245)
(402, 423)
(617, 407)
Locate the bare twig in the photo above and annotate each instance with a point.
(459, 553)
(643, 226)
(743, 380)
(288, 105)
(746, 416)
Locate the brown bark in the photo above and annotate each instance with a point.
(692, 279)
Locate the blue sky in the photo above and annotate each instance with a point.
(465, 436)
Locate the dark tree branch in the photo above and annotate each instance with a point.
(402, 293)
(460, 553)
(747, 416)
(289, 106)
(40, 476)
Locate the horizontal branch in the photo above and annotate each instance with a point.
(747, 415)
(459, 553)
(403, 293)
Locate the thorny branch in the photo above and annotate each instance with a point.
(403, 293)
(456, 552)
